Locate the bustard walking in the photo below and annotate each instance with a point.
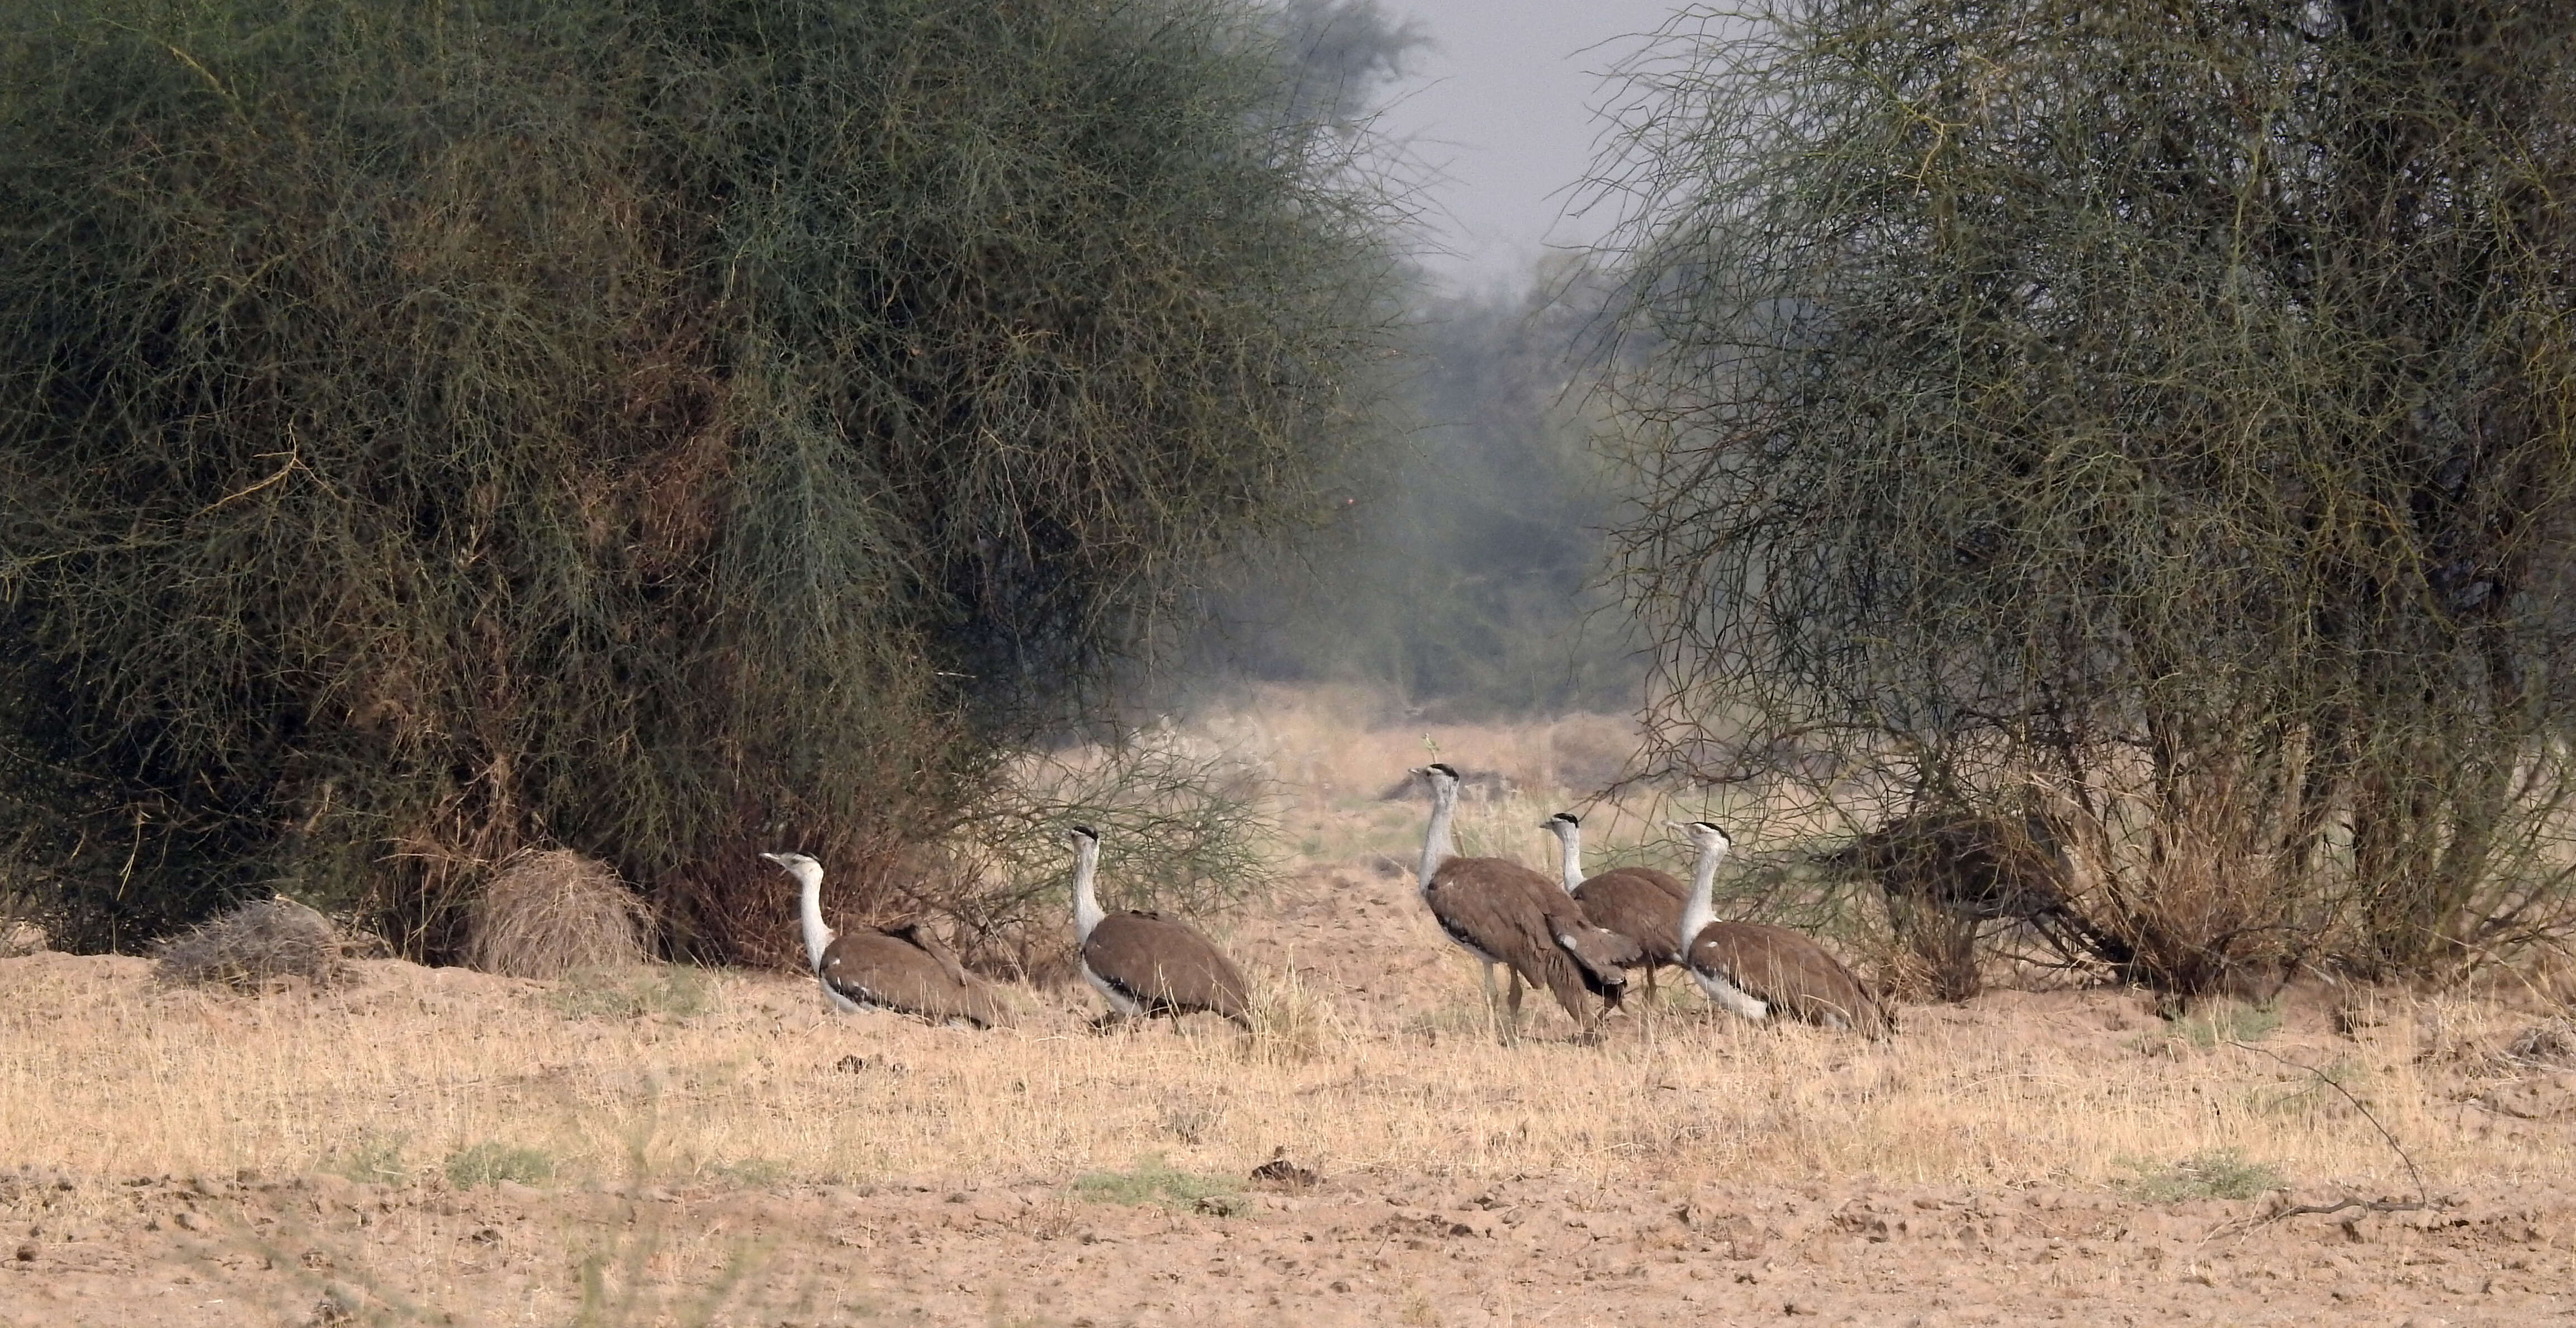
(904, 969)
(1639, 903)
(1146, 964)
(1503, 913)
(1759, 971)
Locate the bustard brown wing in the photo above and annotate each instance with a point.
(981, 999)
(1166, 966)
(1503, 909)
(1631, 902)
(1789, 972)
(874, 968)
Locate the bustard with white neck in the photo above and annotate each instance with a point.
(1503, 913)
(904, 969)
(1640, 903)
(1145, 964)
(1760, 972)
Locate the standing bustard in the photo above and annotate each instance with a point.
(1503, 913)
(1639, 903)
(1758, 971)
(1146, 964)
(904, 969)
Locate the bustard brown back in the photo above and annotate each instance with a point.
(1146, 964)
(904, 968)
(897, 969)
(1640, 903)
(1760, 972)
(1503, 913)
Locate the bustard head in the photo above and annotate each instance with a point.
(1437, 772)
(803, 868)
(1706, 834)
(1558, 824)
(1081, 835)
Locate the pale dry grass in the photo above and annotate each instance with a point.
(105, 1074)
(1371, 1056)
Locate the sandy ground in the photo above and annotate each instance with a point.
(1532, 1251)
(1786, 1175)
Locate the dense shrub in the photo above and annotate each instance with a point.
(664, 429)
(2153, 417)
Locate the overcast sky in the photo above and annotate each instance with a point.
(1501, 106)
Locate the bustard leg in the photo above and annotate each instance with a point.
(1516, 1005)
(1493, 1026)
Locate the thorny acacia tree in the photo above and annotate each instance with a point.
(659, 427)
(2155, 418)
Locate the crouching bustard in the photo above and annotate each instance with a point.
(1503, 913)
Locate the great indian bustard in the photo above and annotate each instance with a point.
(1503, 913)
(1146, 964)
(1639, 903)
(1758, 971)
(904, 969)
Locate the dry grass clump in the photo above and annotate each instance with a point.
(548, 912)
(254, 945)
(1293, 1021)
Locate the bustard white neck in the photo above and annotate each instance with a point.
(1702, 907)
(1087, 912)
(1435, 840)
(1569, 835)
(809, 910)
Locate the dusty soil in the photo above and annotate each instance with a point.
(1731, 1212)
(1530, 1250)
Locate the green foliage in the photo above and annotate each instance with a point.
(2152, 421)
(657, 428)
(489, 1163)
(675, 990)
(1151, 1180)
(2228, 1021)
(2220, 1173)
(374, 1159)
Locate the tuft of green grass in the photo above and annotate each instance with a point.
(375, 1159)
(2218, 1173)
(1151, 1180)
(608, 993)
(2228, 1021)
(753, 1172)
(491, 1162)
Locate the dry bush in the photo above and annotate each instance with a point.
(548, 912)
(1980, 450)
(254, 945)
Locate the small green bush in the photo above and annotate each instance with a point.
(375, 1159)
(489, 1162)
(2227, 1021)
(2218, 1173)
(1151, 1180)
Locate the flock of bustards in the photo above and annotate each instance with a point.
(1578, 936)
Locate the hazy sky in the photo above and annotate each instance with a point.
(1501, 107)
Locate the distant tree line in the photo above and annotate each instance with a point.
(1460, 570)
